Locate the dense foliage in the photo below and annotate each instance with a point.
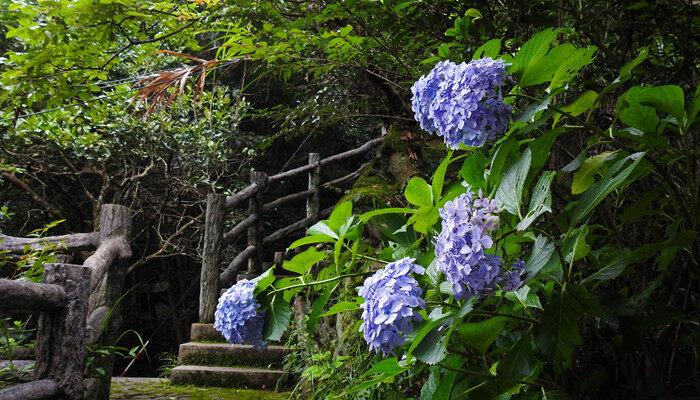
(578, 275)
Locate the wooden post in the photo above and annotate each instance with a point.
(255, 232)
(103, 311)
(211, 257)
(279, 258)
(313, 202)
(60, 353)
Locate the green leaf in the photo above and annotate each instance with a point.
(641, 117)
(558, 333)
(571, 67)
(583, 178)
(318, 307)
(516, 362)
(533, 50)
(575, 246)
(341, 213)
(612, 269)
(611, 181)
(321, 228)
(541, 200)
(473, 170)
(419, 192)
(480, 335)
(541, 149)
(439, 176)
(342, 306)
(626, 70)
(432, 349)
(311, 240)
(582, 104)
(382, 211)
(489, 49)
(505, 154)
(510, 191)
(424, 219)
(544, 69)
(264, 280)
(387, 366)
(277, 319)
(542, 251)
(302, 262)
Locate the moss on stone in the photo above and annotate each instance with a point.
(165, 388)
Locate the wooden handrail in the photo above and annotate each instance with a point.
(70, 242)
(287, 199)
(240, 228)
(226, 277)
(241, 196)
(30, 296)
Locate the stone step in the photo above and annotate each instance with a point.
(239, 377)
(225, 354)
(205, 333)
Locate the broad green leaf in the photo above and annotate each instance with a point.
(533, 50)
(319, 306)
(264, 280)
(302, 262)
(277, 319)
(540, 201)
(424, 219)
(341, 213)
(583, 178)
(612, 269)
(541, 149)
(544, 69)
(321, 228)
(669, 99)
(641, 117)
(340, 307)
(626, 70)
(582, 104)
(505, 155)
(473, 170)
(387, 366)
(558, 333)
(311, 240)
(480, 335)
(542, 251)
(489, 49)
(611, 181)
(439, 176)
(419, 192)
(575, 247)
(569, 69)
(382, 211)
(516, 362)
(510, 191)
(432, 349)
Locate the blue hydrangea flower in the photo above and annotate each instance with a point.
(462, 102)
(391, 296)
(238, 316)
(467, 223)
(512, 280)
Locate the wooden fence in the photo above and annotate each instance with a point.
(76, 304)
(219, 206)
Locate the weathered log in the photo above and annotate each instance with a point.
(340, 156)
(37, 390)
(240, 196)
(347, 177)
(350, 153)
(313, 203)
(227, 277)
(109, 268)
(71, 242)
(60, 352)
(29, 296)
(20, 353)
(279, 234)
(239, 229)
(255, 232)
(211, 257)
(267, 207)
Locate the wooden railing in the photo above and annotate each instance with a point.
(77, 303)
(219, 206)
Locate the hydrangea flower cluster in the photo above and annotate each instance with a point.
(238, 316)
(462, 102)
(467, 224)
(391, 298)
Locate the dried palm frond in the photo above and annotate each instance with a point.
(162, 88)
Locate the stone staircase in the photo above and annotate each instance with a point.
(209, 361)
